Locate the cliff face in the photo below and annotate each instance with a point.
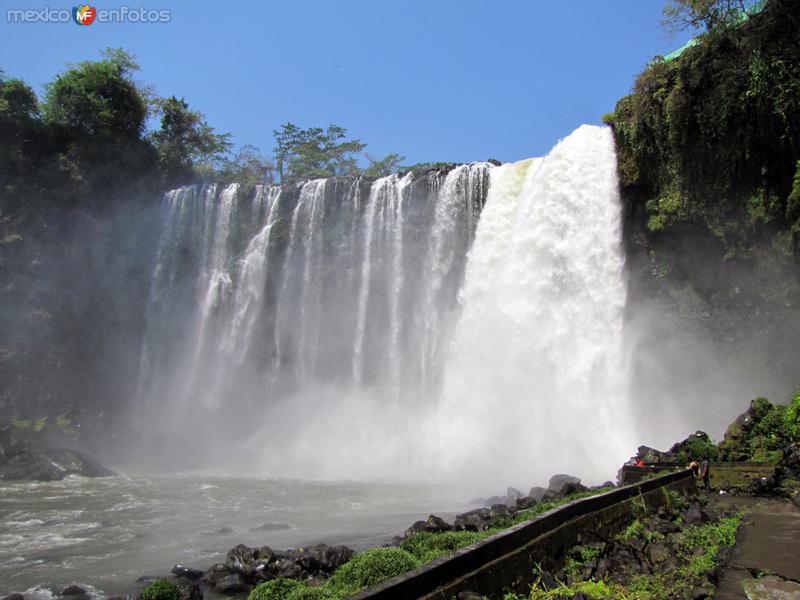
(708, 147)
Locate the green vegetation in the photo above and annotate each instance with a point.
(160, 590)
(371, 567)
(426, 546)
(276, 589)
(696, 552)
(764, 435)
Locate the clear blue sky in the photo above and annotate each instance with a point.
(435, 80)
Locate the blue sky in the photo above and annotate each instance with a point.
(435, 80)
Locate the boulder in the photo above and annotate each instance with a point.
(526, 502)
(494, 500)
(74, 590)
(558, 481)
(695, 516)
(32, 463)
(216, 573)
(188, 590)
(241, 559)
(14, 596)
(536, 493)
(791, 458)
(473, 520)
(512, 495)
(187, 572)
(232, 584)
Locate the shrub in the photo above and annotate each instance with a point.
(426, 545)
(276, 589)
(160, 590)
(371, 567)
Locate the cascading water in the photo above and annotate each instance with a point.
(322, 322)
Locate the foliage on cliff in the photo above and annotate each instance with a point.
(712, 138)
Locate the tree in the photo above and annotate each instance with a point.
(98, 99)
(18, 102)
(185, 140)
(314, 152)
(248, 167)
(381, 167)
(708, 15)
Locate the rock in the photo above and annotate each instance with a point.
(232, 584)
(187, 572)
(796, 499)
(512, 495)
(550, 496)
(74, 590)
(468, 595)
(285, 567)
(216, 573)
(31, 462)
(526, 502)
(241, 559)
(663, 526)
(657, 553)
(222, 531)
(473, 520)
(764, 486)
(770, 589)
(536, 493)
(189, 591)
(270, 527)
(572, 488)
(14, 596)
(791, 458)
(558, 481)
(695, 516)
(437, 524)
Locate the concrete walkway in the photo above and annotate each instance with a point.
(765, 564)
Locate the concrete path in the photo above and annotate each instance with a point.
(765, 564)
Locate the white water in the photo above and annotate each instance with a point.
(327, 330)
(535, 381)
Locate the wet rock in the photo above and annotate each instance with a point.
(216, 573)
(526, 502)
(473, 520)
(769, 589)
(188, 590)
(241, 559)
(695, 516)
(14, 596)
(536, 493)
(500, 512)
(74, 590)
(764, 486)
(232, 584)
(433, 524)
(557, 481)
(187, 572)
(285, 567)
(270, 527)
(221, 531)
(35, 463)
(512, 495)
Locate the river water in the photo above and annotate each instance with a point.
(108, 532)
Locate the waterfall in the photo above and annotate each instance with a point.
(352, 328)
(535, 367)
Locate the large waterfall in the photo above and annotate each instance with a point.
(344, 327)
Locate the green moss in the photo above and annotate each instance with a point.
(160, 590)
(634, 530)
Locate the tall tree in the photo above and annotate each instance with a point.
(314, 152)
(185, 140)
(708, 15)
